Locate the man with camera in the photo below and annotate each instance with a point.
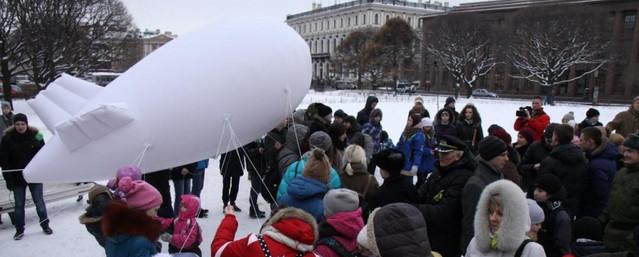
(532, 117)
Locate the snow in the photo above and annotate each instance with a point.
(72, 238)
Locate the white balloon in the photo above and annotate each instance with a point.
(171, 107)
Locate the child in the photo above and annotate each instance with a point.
(588, 237)
(184, 234)
(536, 219)
(338, 233)
(556, 232)
(99, 198)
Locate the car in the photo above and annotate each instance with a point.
(480, 92)
(405, 87)
(345, 84)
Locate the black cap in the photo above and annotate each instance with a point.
(391, 160)
(449, 144)
(549, 183)
(340, 114)
(20, 117)
(490, 147)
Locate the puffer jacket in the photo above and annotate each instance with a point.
(568, 163)
(538, 122)
(289, 232)
(413, 150)
(296, 168)
(290, 153)
(602, 167)
(512, 230)
(342, 227)
(306, 194)
(185, 231)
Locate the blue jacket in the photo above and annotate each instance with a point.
(602, 167)
(375, 131)
(295, 170)
(412, 148)
(428, 159)
(306, 194)
(129, 246)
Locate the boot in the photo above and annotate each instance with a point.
(46, 229)
(235, 208)
(19, 234)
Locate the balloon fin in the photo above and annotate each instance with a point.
(62, 99)
(95, 124)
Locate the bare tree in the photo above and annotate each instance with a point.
(549, 41)
(10, 46)
(351, 53)
(397, 42)
(462, 46)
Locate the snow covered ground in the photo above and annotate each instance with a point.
(71, 239)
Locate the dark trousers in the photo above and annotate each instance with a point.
(230, 187)
(19, 195)
(256, 190)
(198, 182)
(181, 187)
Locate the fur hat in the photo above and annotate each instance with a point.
(536, 213)
(317, 167)
(514, 222)
(340, 200)
(354, 154)
(120, 219)
(528, 134)
(139, 195)
(391, 160)
(592, 112)
(20, 117)
(632, 141)
(491, 147)
(321, 140)
(549, 183)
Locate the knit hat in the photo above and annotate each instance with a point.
(323, 110)
(632, 141)
(616, 139)
(317, 167)
(340, 114)
(340, 200)
(528, 134)
(588, 228)
(536, 213)
(20, 117)
(426, 122)
(321, 139)
(592, 112)
(450, 143)
(129, 171)
(550, 129)
(449, 100)
(490, 147)
(419, 99)
(139, 195)
(549, 183)
(500, 133)
(568, 116)
(391, 160)
(5, 104)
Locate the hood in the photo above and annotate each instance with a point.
(347, 224)
(192, 204)
(605, 151)
(28, 135)
(398, 229)
(302, 188)
(118, 219)
(369, 101)
(515, 220)
(295, 136)
(568, 153)
(293, 227)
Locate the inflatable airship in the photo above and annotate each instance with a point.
(174, 106)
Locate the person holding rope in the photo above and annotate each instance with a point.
(183, 233)
(20, 144)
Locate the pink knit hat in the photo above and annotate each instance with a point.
(126, 171)
(139, 195)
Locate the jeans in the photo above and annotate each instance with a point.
(181, 187)
(230, 188)
(256, 190)
(19, 195)
(198, 182)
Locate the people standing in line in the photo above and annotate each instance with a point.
(501, 224)
(232, 168)
(538, 120)
(363, 116)
(602, 167)
(469, 127)
(440, 198)
(626, 122)
(20, 143)
(444, 124)
(411, 144)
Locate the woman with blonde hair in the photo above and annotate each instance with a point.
(355, 176)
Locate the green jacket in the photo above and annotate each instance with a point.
(622, 213)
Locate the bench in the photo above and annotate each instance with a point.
(52, 192)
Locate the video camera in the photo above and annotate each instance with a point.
(522, 111)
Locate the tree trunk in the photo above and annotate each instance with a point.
(6, 78)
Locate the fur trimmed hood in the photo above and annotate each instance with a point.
(515, 220)
(301, 237)
(12, 130)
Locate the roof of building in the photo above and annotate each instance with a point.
(397, 3)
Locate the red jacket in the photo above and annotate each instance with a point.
(288, 232)
(538, 123)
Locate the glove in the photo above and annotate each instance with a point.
(414, 169)
(166, 237)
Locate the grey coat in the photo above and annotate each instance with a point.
(398, 229)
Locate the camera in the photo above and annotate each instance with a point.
(522, 111)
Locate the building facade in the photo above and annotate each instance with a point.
(324, 28)
(616, 80)
(138, 45)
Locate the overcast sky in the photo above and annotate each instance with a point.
(182, 16)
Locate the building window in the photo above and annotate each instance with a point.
(315, 27)
(335, 23)
(376, 19)
(356, 16)
(321, 46)
(322, 26)
(349, 22)
(410, 21)
(629, 21)
(364, 20)
(387, 17)
(334, 45)
(341, 22)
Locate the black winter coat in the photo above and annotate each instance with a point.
(16, 152)
(232, 163)
(602, 167)
(536, 153)
(440, 203)
(568, 163)
(364, 115)
(471, 134)
(395, 189)
(160, 180)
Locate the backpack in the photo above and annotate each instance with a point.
(520, 250)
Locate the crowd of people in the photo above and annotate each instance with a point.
(448, 189)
